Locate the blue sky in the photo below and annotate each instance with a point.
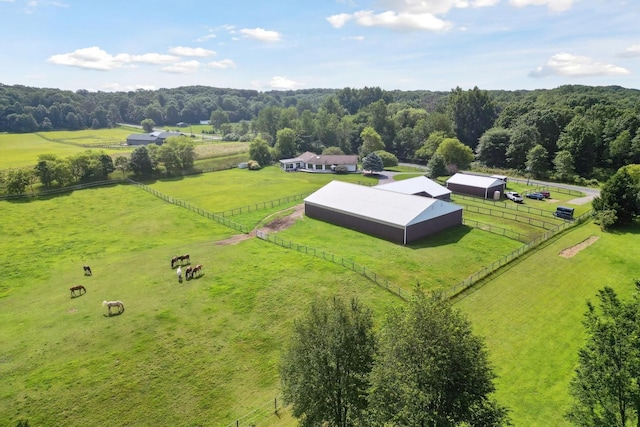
(108, 45)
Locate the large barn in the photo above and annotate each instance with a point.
(401, 218)
(419, 186)
(475, 185)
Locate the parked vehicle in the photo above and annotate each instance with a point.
(537, 196)
(513, 196)
(563, 212)
(546, 194)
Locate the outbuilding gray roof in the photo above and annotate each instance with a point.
(145, 137)
(371, 203)
(474, 181)
(419, 184)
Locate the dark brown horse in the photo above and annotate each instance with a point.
(87, 270)
(81, 290)
(187, 272)
(179, 258)
(197, 271)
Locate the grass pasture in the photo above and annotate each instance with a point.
(203, 352)
(531, 312)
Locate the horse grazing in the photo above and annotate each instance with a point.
(118, 304)
(81, 290)
(87, 270)
(196, 270)
(180, 258)
(187, 272)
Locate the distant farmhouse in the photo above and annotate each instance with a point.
(157, 137)
(309, 161)
(398, 217)
(474, 185)
(418, 186)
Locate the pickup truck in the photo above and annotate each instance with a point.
(512, 195)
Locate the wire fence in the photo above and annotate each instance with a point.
(251, 419)
(501, 231)
(186, 205)
(263, 205)
(486, 271)
(501, 204)
(496, 213)
(344, 262)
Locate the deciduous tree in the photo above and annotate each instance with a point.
(371, 141)
(285, 143)
(324, 370)
(259, 151)
(472, 113)
(431, 370)
(148, 125)
(605, 384)
(455, 153)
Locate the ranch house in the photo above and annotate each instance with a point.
(475, 185)
(309, 161)
(398, 217)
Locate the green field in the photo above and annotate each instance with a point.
(205, 352)
(18, 150)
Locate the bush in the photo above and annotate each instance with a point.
(231, 137)
(341, 169)
(253, 165)
(388, 160)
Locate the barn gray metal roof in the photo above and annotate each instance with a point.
(371, 203)
(416, 185)
(474, 180)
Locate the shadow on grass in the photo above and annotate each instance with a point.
(443, 238)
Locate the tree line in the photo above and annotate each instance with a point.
(177, 154)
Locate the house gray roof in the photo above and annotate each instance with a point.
(419, 184)
(319, 159)
(371, 203)
(475, 181)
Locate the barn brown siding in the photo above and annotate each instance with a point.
(387, 232)
(432, 226)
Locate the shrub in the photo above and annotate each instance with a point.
(341, 169)
(253, 165)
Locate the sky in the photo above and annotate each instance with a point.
(437, 45)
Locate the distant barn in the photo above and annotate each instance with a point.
(397, 217)
(418, 186)
(156, 137)
(475, 185)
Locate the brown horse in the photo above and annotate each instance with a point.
(180, 258)
(81, 290)
(197, 270)
(118, 304)
(187, 272)
(87, 270)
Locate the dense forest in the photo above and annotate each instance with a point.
(568, 132)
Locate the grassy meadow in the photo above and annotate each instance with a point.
(205, 351)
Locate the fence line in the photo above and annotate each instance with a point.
(486, 271)
(187, 205)
(539, 223)
(344, 262)
(496, 230)
(250, 419)
(502, 204)
(263, 205)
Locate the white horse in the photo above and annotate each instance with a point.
(117, 304)
(179, 273)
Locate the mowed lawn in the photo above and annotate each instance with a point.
(531, 314)
(202, 352)
(18, 150)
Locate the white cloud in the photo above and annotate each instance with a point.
(186, 67)
(117, 87)
(205, 38)
(7, 1)
(92, 58)
(553, 5)
(401, 21)
(153, 58)
(434, 7)
(568, 65)
(225, 63)
(338, 21)
(356, 38)
(261, 34)
(631, 51)
(279, 82)
(191, 51)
